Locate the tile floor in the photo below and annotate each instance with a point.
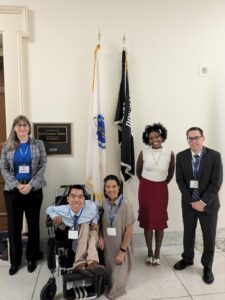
(145, 282)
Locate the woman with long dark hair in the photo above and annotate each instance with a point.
(116, 236)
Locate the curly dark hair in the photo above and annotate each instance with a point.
(156, 127)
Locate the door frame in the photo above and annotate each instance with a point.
(13, 27)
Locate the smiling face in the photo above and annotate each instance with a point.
(195, 140)
(22, 130)
(112, 190)
(155, 140)
(76, 200)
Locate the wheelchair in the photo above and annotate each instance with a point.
(88, 284)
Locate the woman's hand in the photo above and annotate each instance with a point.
(24, 188)
(120, 258)
(101, 243)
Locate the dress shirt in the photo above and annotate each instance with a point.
(193, 154)
(89, 215)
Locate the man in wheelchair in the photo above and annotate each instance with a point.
(82, 217)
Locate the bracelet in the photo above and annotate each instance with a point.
(123, 250)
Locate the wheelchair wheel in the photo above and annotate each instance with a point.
(49, 290)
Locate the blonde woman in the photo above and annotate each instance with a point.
(23, 162)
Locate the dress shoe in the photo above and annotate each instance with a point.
(31, 266)
(80, 267)
(207, 275)
(156, 261)
(148, 259)
(94, 265)
(13, 269)
(182, 264)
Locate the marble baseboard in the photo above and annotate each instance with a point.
(176, 238)
(171, 239)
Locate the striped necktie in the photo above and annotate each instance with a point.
(75, 227)
(195, 193)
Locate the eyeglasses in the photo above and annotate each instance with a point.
(194, 139)
(22, 125)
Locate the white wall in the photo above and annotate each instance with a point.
(167, 42)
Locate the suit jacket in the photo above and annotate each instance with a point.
(38, 165)
(209, 180)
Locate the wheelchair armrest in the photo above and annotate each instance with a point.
(49, 222)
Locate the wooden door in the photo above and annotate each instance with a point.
(3, 215)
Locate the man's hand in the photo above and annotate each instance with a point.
(57, 220)
(93, 226)
(198, 206)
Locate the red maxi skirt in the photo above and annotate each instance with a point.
(153, 202)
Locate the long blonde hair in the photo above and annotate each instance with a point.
(13, 142)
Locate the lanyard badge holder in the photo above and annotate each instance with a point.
(73, 233)
(24, 169)
(195, 168)
(111, 231)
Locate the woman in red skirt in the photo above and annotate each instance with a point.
(155, 169)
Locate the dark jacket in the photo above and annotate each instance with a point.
(210, 178)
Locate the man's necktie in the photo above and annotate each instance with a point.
(195, 193)
(75, 227)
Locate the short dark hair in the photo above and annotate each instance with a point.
(117, 180)
(195, 128)
(77, 187)
(156, 127)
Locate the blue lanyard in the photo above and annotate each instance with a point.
(76, 218)
(112, 216)
(23, 155)
(195, 167)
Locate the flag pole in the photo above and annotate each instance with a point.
(124, 42)
(99, 36)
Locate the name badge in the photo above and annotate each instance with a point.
(194, 184)
(24, 169)
(111, 231)
(73, 234)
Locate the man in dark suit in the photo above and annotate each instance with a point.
(199, 175)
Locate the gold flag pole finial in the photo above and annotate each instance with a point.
(99, 36)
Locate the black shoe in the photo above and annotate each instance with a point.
(182, 264)
(207, 275)
(31, 266)
(13, 269)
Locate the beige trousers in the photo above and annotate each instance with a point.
(87, 246)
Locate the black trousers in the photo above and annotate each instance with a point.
(16, 205)
(208, 225)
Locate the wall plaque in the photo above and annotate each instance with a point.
(56, 137)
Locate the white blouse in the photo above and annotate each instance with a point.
(156, 163)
